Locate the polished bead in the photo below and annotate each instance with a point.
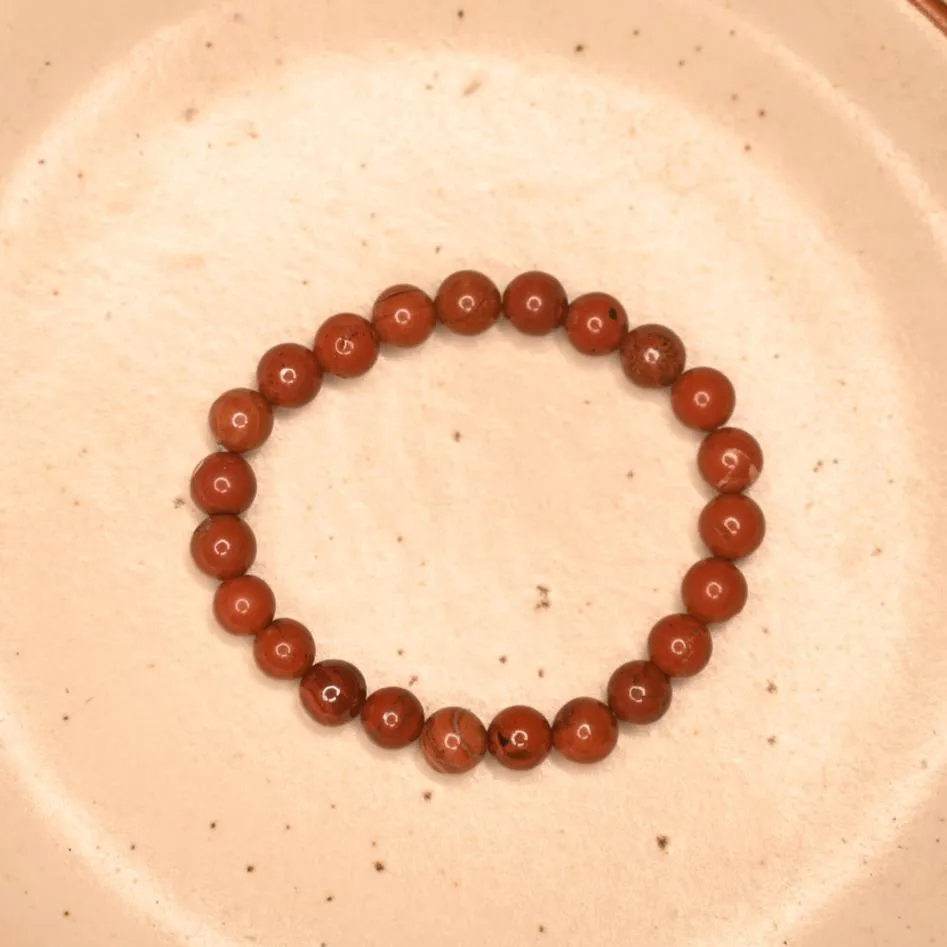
(732, 526)
(333, 692)
(519, 737)
(392, 717)
(585, 730)
(223, 546)
(652, 356)
(241, 419)
(596, 323)
(289, 375)
(223, 483)
(639, 692)
(244, 605)
(680, 645)
(284, 649)
(714, 590)
(730, 460)
(703, 398)
(535, 303)
(346, 345)
(468, 302)
(404, 316)
(453, 740)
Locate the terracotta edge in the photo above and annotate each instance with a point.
(934, 10)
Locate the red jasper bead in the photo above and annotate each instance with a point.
(732, 526)
(468, 302)
(714, 590)
(284, 649)
(596, 323)
(223, 483)
(639, 692)
(535, 303)
(346, 345)
(680, 645)
(241, 419)
(333, 692)
(519, 737)
(392, 717)
(223, 546)
(244, 605)
(453, 740)
(730, 460)
(289, 375)
(703, 398)
(652, 356)
(404, 316)
(585, 730)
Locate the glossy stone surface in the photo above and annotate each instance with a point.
(468, 302)
(714, 590)
(288, 375)
(284, 649)
(585, 730)
(703, 398)
(652, 356)
(680, 645)
(730, 460)
(333, 692)
(346, 345)
(535, 302)
(404, 316)
(639, 692)
(223, 482)
(244, 605)
(392, 717)
(732, 526)
(519, 737)
(453, 740)
(240, 419)
(596, 323)
(223, 546)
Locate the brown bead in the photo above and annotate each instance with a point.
(223, 483)
(703, 398)
(596, 323)
(241, 419)
(732, 526)
(519, 737)
(639, 692)
(244, 605)
(453, 740)
(346, 345)
(535, 303)
(289, 375)
(714, 590)
(680, 645)
(333, 692)
(653, 356)
(730, 460)
(223, 546)
(284, 649)
(468, 302)
(585, 730)
(404, 316)
(393, 717)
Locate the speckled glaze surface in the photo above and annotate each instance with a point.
(486, 521)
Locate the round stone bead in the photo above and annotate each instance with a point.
(453, 740)
(585, 730)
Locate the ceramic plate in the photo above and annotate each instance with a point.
(183, 186)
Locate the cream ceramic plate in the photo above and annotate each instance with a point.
(183, 188)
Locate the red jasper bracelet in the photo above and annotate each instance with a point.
(453, 739)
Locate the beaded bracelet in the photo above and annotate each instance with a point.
(453, 739)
